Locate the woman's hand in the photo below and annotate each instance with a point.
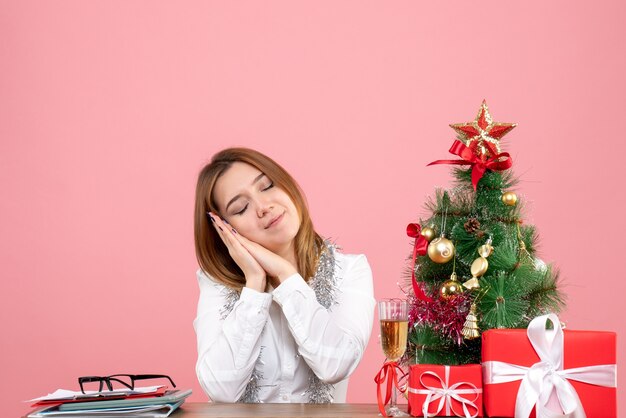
(271, 264)
(255, 274)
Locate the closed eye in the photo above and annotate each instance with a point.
(242, 210)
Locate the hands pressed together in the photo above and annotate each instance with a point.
(257, 262)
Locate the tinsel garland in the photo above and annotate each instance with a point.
(251, 392)
(446, 316)
(232, 297)
(318, 391)
(324, 283)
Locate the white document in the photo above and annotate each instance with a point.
(62, 394)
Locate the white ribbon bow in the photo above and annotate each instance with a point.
(445, 394)
(548, 375)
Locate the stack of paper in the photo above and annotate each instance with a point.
(147, 402)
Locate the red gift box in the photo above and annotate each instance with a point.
(445, 390)
(570, 371)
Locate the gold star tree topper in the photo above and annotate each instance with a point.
(483, 134)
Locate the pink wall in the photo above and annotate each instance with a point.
(109, 109)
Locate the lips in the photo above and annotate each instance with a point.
(275, 220)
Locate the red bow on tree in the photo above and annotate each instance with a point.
(421, 244)
(479, 163)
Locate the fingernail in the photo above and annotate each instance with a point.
(225, 221)
(220, 228)
(234, 232)
(210, 217)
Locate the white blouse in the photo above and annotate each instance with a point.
(294, 331)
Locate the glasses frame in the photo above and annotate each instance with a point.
(117, 378)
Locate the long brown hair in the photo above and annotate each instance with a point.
(212, 253)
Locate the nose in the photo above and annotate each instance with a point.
(263, 207)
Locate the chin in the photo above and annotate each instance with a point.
(279, 243)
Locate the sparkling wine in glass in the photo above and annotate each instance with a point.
(394, 328)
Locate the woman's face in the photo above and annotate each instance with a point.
(257, 209)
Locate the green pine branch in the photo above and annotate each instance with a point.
(546, 297)
(502, 304)
(426, 346)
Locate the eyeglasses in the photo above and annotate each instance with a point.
(128, 380)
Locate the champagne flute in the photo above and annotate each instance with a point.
(394, 328)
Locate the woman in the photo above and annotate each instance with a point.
(282, 316)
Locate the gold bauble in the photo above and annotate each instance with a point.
(479, 267)
(451, 287)
(509, 198)
(428, 233)
(485, 250)
(441, 250)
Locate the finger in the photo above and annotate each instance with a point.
(245, 241)
(222, 230)
(230, 237)
(249, 245)
(222, 224)
(212, 221)
(261, 254)
(218, 228)
(238, 252)
(228, 226)
(271, 262)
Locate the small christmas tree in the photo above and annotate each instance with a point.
(474, 265)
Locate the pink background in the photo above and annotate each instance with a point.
(109, 109)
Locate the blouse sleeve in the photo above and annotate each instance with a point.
(228, 348)
(331, 341)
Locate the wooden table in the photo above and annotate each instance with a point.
(271, 410)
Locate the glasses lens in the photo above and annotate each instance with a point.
(91, 385)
